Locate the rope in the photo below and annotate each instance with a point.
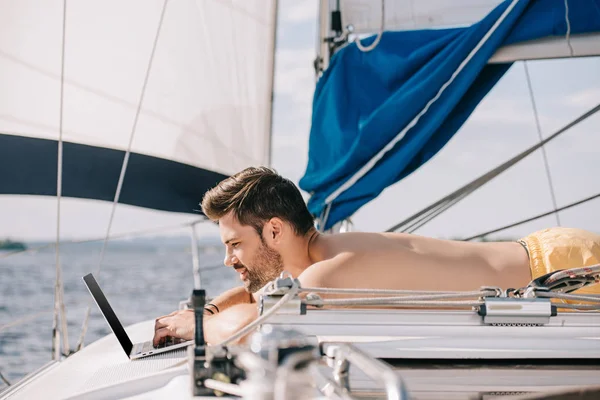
(372, 291)
(287, 297)
(543, 149)
(533, 218)
(372, 162)
(430, 300)
(60, 316)
(566, 296)
(568, 35)
(581, 307)
(399, 300)
(124, 167)
(379, 34)
(475, 184)
(415, 303)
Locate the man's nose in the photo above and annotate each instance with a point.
(230, 260)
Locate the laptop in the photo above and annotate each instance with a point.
(133, 351)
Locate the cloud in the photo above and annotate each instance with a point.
(587, 98)
(294, 88)
(295, 75)
(299, 11)
(508, 112)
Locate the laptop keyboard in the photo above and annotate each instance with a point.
(169, 341)
(148, 346)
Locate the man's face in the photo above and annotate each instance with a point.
(247, 252)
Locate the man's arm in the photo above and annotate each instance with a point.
(235, 308)
(231, 297)
(219, 321)
(218, 327)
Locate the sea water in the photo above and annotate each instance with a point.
(140, 282)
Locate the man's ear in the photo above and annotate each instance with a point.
(274, 230)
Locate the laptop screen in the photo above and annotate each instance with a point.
(108, 313)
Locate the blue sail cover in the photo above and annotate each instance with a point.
(363, 100)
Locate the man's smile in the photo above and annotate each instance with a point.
(243, 272)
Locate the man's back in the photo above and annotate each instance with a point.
(266, 228)
(400, 261)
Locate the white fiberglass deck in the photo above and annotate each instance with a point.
(439, 334)
(101, 364)
(449, 353)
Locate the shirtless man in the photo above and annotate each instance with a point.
(266, 228)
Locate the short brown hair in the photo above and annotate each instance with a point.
(256, 195)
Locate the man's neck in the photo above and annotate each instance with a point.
(298, 257)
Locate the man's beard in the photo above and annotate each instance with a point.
(266, 266)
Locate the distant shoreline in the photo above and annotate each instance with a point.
(12, 245)
(154, 243)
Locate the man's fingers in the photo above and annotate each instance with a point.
(160, 323)
(159, 334)
(178, 324)
(168, 315)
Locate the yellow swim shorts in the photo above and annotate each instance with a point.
(562, 248)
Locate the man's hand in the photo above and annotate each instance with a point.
(178, 324)
(217, 327)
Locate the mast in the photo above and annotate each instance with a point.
(271, 93)
(323, 32)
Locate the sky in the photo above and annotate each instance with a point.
(502, 126)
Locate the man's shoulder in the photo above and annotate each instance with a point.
(347, 244)
(320, 274)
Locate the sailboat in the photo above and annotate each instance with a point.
(205, 91)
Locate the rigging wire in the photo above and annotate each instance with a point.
(3, 379)
(418, 224)
(448, 202)
(475, 184)
(542, 148)
(24, 319)
(480, 235)
(124, 166)
(60, 315)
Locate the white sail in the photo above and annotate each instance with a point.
(207, 102)
(365, 15)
